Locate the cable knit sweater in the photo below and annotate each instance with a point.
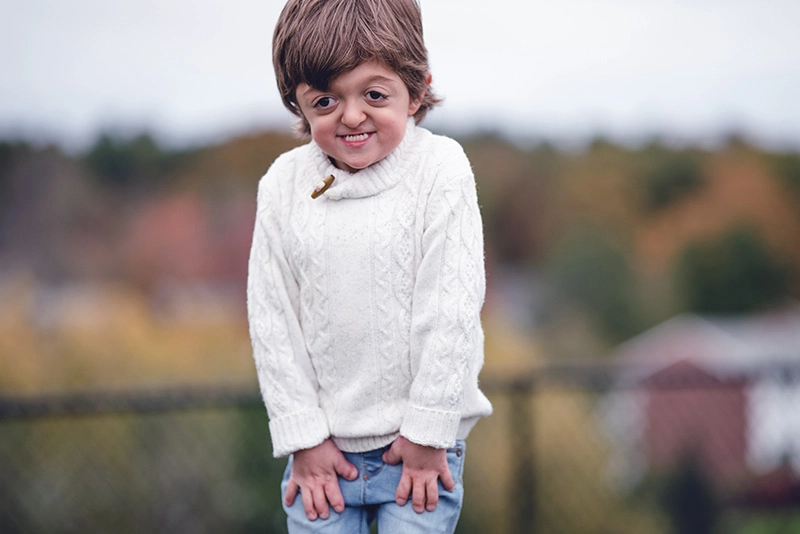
(364, 304)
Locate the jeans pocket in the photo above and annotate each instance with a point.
(455, 460)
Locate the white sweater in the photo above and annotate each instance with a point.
(364, 304)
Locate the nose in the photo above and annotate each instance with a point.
(353, 114)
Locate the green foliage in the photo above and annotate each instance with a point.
(123, 162)
(601, 143)
(787, 168)
(9, 152)
(181, 471)
(259, 474)
(586, 269)
(733, 274)
(669, 176)
(772, 522)
(513, 189)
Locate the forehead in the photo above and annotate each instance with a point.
(365, 74)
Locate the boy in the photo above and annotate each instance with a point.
(366, 279)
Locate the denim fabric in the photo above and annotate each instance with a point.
(371, 497)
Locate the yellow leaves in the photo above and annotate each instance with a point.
(100, 336)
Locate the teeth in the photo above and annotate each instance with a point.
(353, 138)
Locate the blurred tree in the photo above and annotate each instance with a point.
(260, 508)
(588, 270)
(668, 176)
(787, 168)
(513, 189)
(513, 227)
(234, 165)
(137, 161)
(7, 150)
(733, 274)
(601, 143)
(10, 152)
(45, 210)
(689, 500)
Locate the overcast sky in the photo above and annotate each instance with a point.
(193, 70)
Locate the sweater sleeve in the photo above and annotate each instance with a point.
(282, 363)
(449, 291)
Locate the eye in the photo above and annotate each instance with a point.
(324, 103)
(375, 96)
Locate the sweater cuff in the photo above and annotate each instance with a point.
(298, 431)
(432, 428)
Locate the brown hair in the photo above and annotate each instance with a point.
(317, 40)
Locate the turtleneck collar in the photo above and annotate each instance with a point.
(372, 180)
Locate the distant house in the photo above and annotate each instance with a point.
(725, 391)
(190, 254)
(693, 414)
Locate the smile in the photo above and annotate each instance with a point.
(356, 138)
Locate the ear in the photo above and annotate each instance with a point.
(415, 103)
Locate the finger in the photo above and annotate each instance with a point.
(320, 502)
(432, 495)
(291, 492)
(390, 457)
(447, 480)
(346, 469)
(418, 497)
(308, 505)
(334, 496)
(403, 489)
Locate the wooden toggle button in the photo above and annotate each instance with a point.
(322, 186)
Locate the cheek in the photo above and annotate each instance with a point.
(318, 130)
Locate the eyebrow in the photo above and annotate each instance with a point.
(369, 81)
(309, 89)
(379, 78)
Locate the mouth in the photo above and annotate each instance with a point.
(355, 138)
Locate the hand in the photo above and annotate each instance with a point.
(423, 467)
(314, 473)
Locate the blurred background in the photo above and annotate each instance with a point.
(638, 169)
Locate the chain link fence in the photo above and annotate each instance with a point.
(570, 449)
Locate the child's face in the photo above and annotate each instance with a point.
(362, 116)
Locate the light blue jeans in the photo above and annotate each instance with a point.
(371, 497)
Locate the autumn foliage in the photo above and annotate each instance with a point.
(605, 241)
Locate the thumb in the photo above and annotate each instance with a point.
(447, 481)
(346, 469)
(390, 456)
(291, 492)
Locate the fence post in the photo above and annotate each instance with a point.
(523, 483)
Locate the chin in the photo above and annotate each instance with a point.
(357, 166)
